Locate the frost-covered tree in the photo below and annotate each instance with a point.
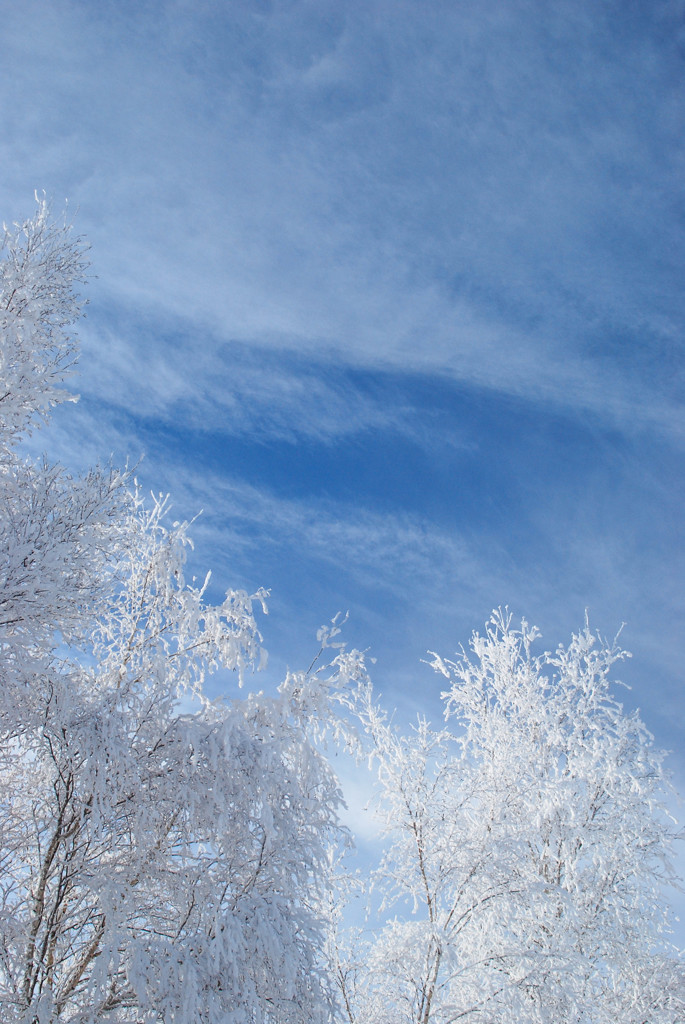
(528, 847)
(163, 857)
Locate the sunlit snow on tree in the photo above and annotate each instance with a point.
(154, 865)
(528, 844)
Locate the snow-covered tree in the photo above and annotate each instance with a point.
(163, 857)
(528, 847)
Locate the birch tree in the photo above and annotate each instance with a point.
(163, 856)
(528, 847)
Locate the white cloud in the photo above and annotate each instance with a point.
(469, 217)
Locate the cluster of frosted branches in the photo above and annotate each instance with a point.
(528, 846)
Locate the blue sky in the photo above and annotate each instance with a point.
(393, 292)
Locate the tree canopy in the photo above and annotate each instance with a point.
(163, 856)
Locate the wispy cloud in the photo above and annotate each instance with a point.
(407, 192)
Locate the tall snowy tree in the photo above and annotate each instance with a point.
(528, 847)
(159, 860)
